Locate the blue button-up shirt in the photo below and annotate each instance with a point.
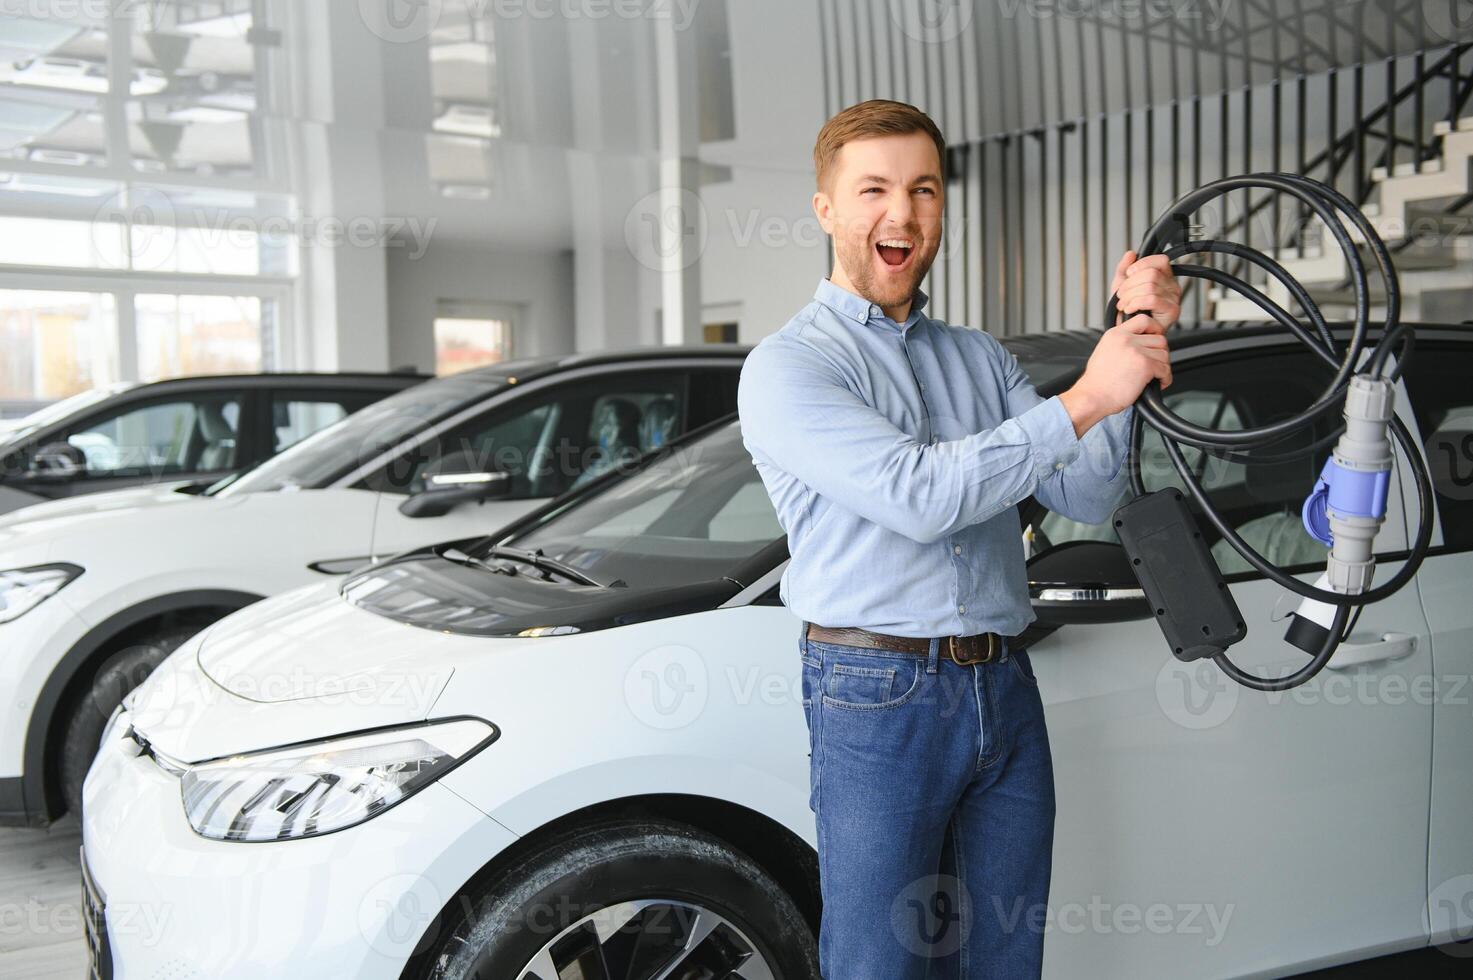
(895, 455)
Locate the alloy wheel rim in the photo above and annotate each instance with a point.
(649, 939)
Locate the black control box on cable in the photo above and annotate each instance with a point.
(1181, 581)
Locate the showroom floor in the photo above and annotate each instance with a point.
(41, 924)
(40, 903)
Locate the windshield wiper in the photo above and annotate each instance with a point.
(538, 560)
(534, 558)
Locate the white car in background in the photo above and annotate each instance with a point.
(96, 591)
(576, 748)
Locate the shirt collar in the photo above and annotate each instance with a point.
(861, 310)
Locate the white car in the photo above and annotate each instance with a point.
(577, 747)
(95, 591)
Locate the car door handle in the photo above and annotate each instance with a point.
(1391, 646)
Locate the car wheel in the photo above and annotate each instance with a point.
(638, 900)
(119, 674)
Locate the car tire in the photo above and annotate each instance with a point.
(543, 902)
(120, 673)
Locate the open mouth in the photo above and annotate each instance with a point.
(895, 252)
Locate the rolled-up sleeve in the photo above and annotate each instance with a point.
(798, 415)
(1087, 483)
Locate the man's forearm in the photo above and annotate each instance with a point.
(1084, 410)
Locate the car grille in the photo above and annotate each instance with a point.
(94, 919)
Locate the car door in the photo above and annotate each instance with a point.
(1442, 401)
(1205, 828)
(552, 438)
(188, 436)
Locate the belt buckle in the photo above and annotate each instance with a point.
(951, 650)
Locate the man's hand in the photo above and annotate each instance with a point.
(1125, 360)
(1147, 284)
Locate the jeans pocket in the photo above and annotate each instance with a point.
(870, 683)
(1022, 666)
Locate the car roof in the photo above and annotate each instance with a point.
(273, 379)
(1062, 345)
(530, 367)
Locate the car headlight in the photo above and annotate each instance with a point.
(318, 787)
(23, 589)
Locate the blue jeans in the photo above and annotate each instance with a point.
(933, 789)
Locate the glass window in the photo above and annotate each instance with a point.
(1442, 402)
(53, 86)
(334, 452)
(462, 343)
(1261, 501)
(180, 336)
(692, 516)
(555, 441)
(55, 345)
(295, 416)
(193, 435)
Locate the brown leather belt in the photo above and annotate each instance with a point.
(979, 648)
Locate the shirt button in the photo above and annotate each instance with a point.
(956, 549)
(1058, 466)
(923, 386)
(961, 609)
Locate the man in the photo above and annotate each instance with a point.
(895, 448)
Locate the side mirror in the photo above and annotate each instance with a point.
(444, 491)
(1085, 582)
(57, 460)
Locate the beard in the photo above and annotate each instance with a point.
(885, 290)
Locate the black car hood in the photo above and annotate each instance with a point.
(422, 589)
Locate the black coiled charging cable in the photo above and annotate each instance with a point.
(1170, 236)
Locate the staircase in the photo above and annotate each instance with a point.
(1424, 214)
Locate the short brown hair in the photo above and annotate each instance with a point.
(877, 117)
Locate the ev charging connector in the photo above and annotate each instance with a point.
(1347, 506)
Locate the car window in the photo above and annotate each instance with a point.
(196, 434)
(713, 393)
(1262, 501)
(693, 515)
(296, 415)
(1442, 402)
(555, 440)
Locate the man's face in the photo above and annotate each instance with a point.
(883, 209)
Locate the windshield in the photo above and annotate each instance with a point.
(57, 411)
(332, 452)
(694, 515)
